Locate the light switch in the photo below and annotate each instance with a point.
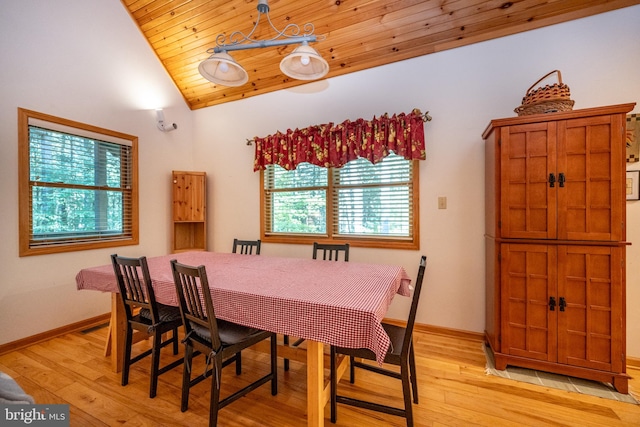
(442, 202)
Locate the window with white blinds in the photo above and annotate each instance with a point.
(78, 186)
(360, 203)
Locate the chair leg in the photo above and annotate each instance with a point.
(286, 361)
(126, 362)
(334, 386)
(215, 390)
(414, 377)
(238, 363)
(274, 364)
(186, 377)
(406, 393)
(352, 369)
(155, 363)
(175, 341)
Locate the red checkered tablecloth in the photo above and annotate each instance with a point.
(338, 303)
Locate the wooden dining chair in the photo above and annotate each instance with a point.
(153, 319)
(327, 252)
(218, 339)
(330, 251)
(246, 247)
(400, 353)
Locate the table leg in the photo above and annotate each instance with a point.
(315, 384)
(107, 344)
(117, 328)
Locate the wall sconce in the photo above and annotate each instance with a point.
(304, 63)
(164, 127)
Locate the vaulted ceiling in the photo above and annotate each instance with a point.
(355, 34)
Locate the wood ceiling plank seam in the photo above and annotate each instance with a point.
(215, 22)
(312, 12)
(358, 18)
(583, 8)
(427, 19)
(200, 27)
(530, 25)
(174, 14)
(206, 35)
(451, 36)
(458, 21)
(173, 11)
(178, 50)
(195, 17)
(186, 49)
(150, 9)
(491, 19)
(136, 4)
(465, 24)
(197, 50)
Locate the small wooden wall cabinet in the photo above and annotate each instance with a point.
(189, 221)
(555, 242)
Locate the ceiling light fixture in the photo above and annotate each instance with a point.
(304, 63)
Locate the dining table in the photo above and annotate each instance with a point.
(324, 302)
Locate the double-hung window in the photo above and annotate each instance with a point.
(361, 203)
(78, 186)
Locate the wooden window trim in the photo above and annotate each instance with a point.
(410, 243)
(24, 205)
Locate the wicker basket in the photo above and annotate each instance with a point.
(546, 99)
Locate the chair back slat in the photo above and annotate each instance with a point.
(246, 247)
(194, 296)
(331, 252)
(417, 289)
(134, 284)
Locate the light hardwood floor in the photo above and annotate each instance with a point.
(454, 390)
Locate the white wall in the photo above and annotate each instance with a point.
(106, 75)
(84, 61)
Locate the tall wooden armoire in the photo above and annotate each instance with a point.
(555, 242)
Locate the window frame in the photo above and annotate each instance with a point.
(25, 185)
(410, 243)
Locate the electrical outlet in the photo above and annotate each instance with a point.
(442, 202)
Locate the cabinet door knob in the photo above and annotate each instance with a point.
(552, 304)
(563, 303)
(552, 180)
(561, 179)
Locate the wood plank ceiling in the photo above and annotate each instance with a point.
(359, 34)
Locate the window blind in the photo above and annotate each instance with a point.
(80, 188)
(373, 200)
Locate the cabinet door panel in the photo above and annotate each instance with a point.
(590, 158)
(189, 197)
(590, 281)
(528, 279)
(528, 155)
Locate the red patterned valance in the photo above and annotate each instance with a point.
(332, 145)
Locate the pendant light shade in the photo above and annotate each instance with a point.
(304, 63)
(222, 69)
